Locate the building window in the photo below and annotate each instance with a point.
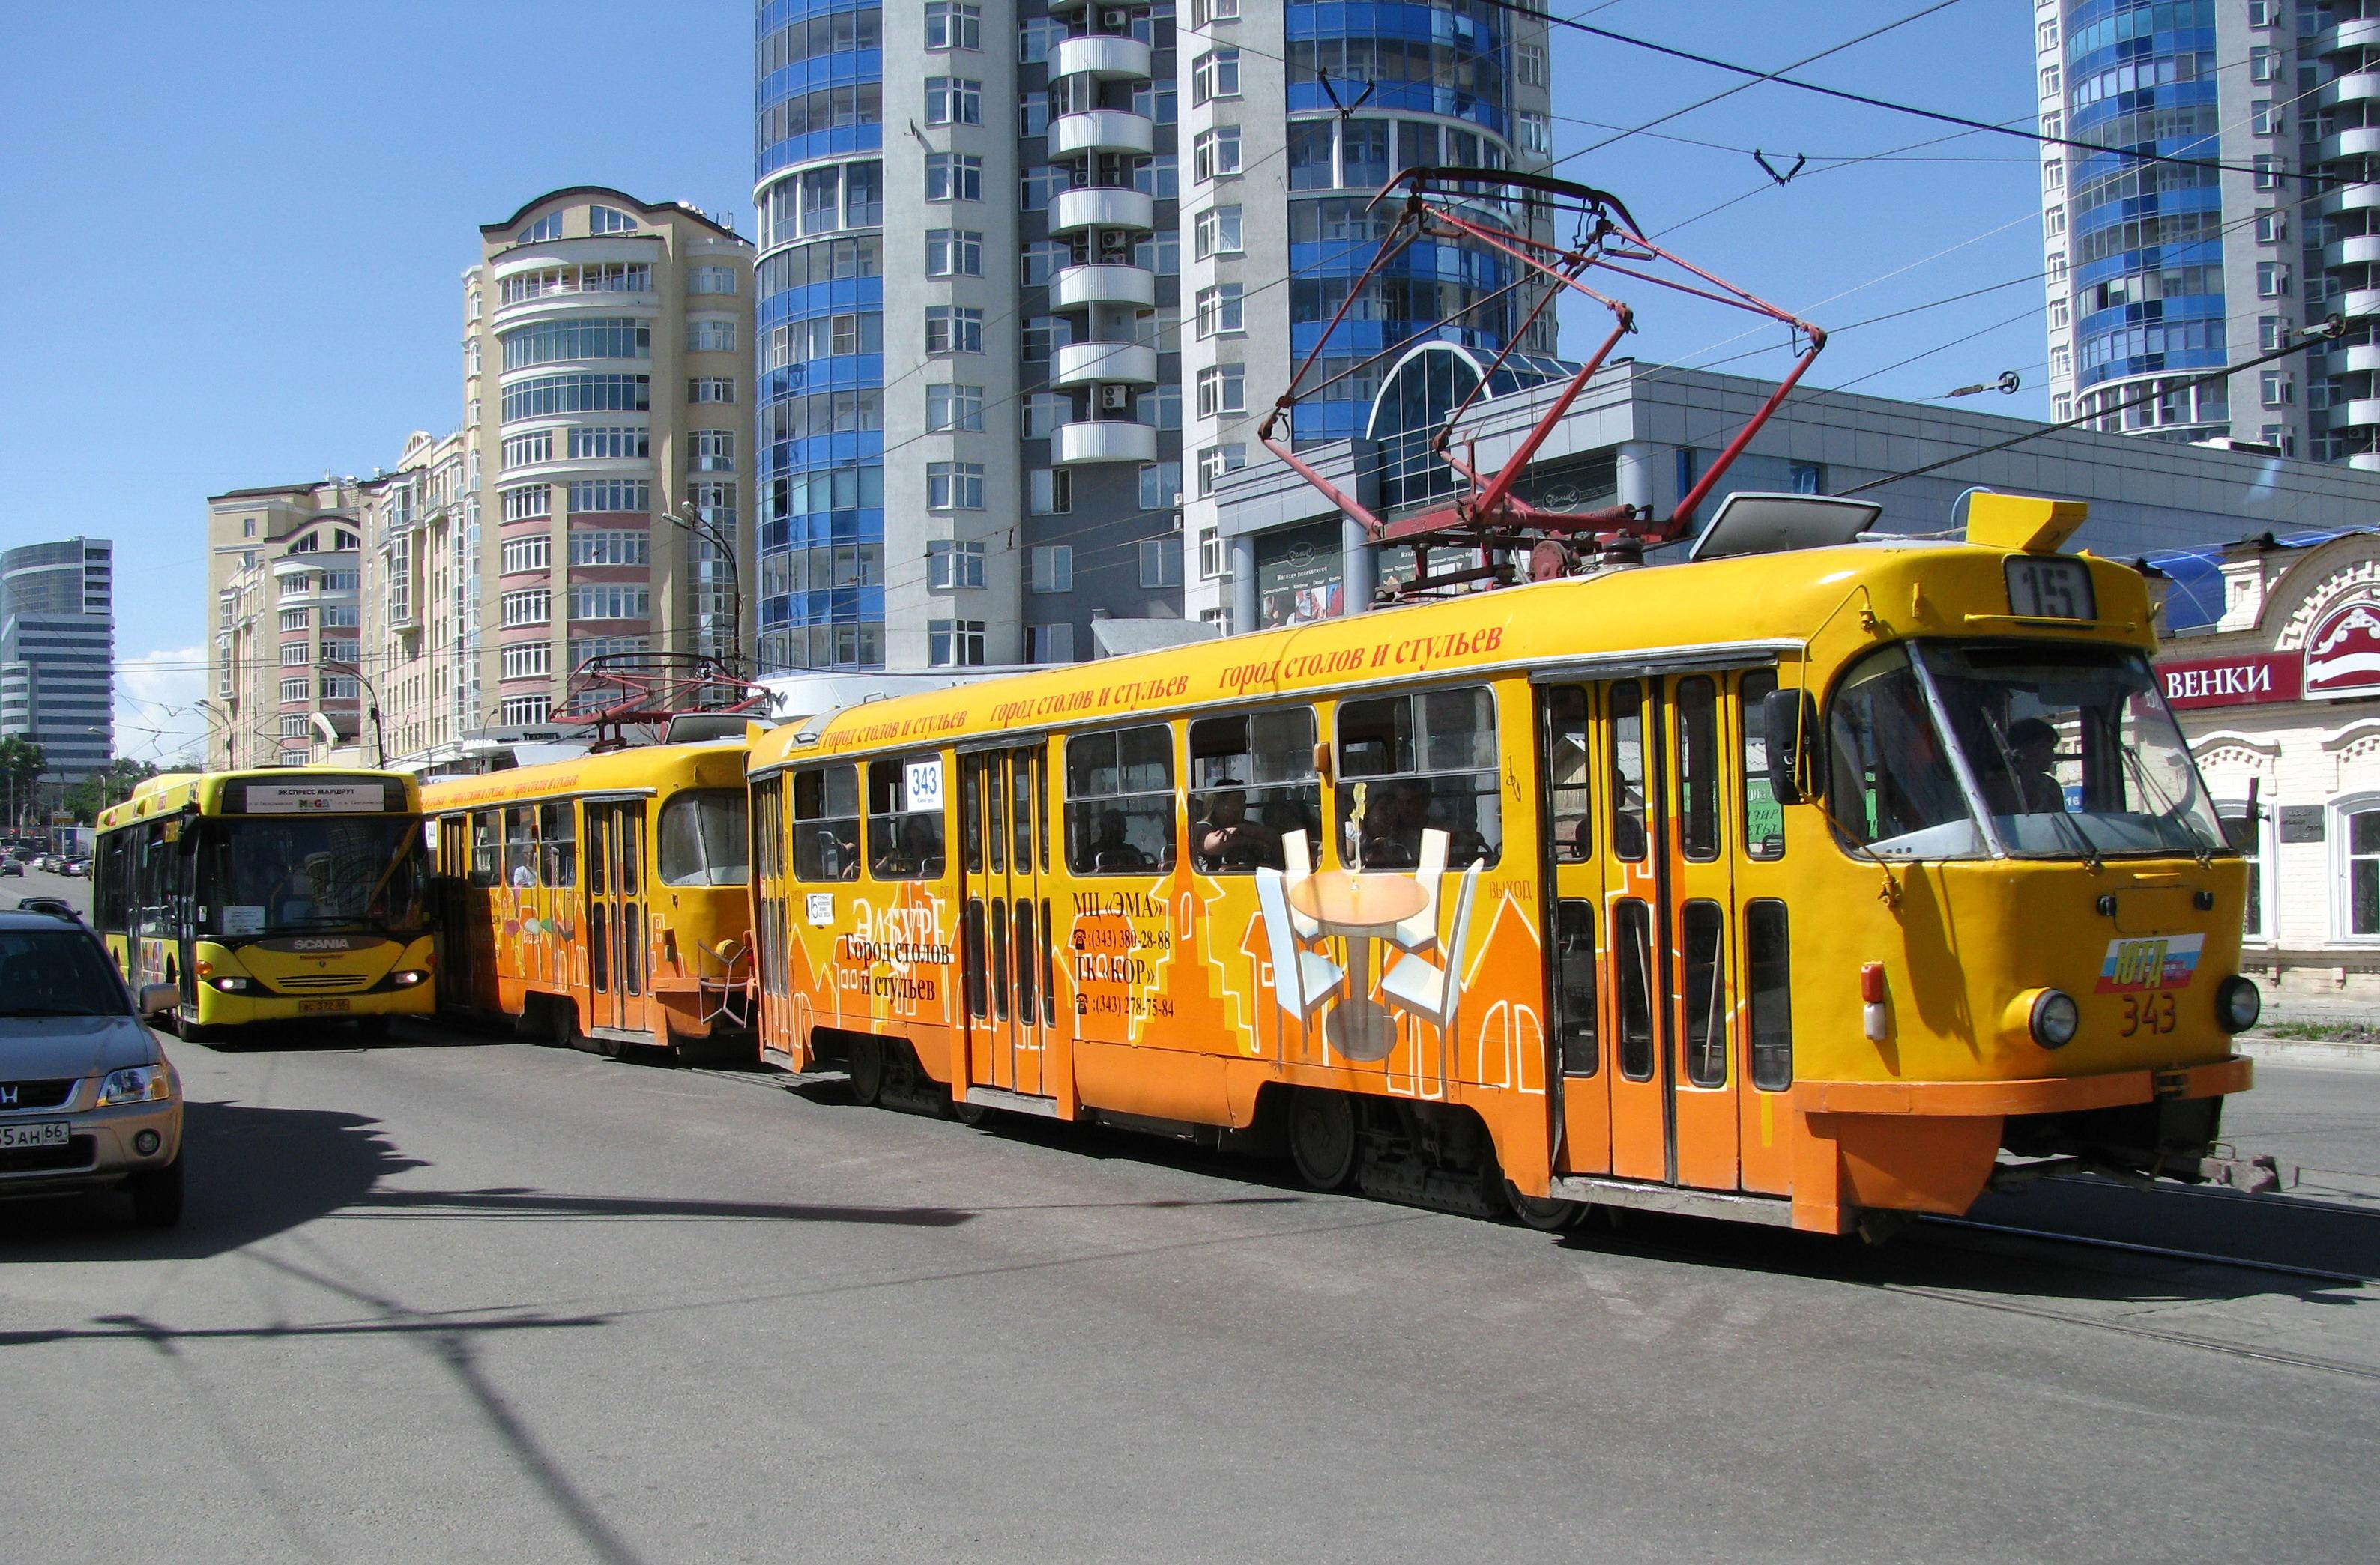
(954, 100)
(2281, 438)
(1049, 643)
(1529, 64)
(611, 494)
(2245, 833)
(2061, 360)
(523, 504)
(1160, 485)
(1216, 153)
(711, 337)
(2053, 220)
(949, 26)
(1218, 231)
(954, 176)
(1036, 36)
(2045, 37)
(2053, 175)
(534, 607)
(611, 602)
(955, 643)
(1808, 477)
(2279, 388)
(1161, 253)
(2363, 877)
(544, 228)
(953, 253)
(2268, 171)
(296, 619)
(954, 328)
(1160, 562)
(525, 553)
(954, 486)
(1220, 309)
(2272, 279)
(609, 220)
(2059, 317)
(1052, 490)
(1157, 101)
(1216, 460)
(952, 566)
(297, 690)
(1033, 114)
(523, 451)
(1214, 555)
(1044, 335)
(1157, 177)
(1223, 388)
(1044, 411)
(2049, 81)
(527, 660)
(606, 546)
(1215, 74)
(609, 442)
(1053, 567)
(1537, 134)
(2264, 119)
(2272, 227)
(1160, 408)
(2061, 408)
(955, 408)
(521, 711)
(2263, 13)
(711, 280)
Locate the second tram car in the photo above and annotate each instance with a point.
(1793, 888)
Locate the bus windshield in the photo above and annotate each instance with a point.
(319, 872)
(2051, 751)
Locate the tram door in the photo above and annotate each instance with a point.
(614, 839)
(1010, 1010)
(1571, 767)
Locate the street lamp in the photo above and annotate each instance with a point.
(720, 538)
(379, 740)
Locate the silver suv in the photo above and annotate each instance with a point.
(87, 1095)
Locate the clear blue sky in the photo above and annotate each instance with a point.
(254, 217)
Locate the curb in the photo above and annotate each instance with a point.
(2310, 1052)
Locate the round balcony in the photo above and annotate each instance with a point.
(1077, 287)
(2352, 198)
(1110, 206)
(2365, 461)
(2355, 87)
(1119, 441)
(2355, 141)
(1108, 56)
(2359, 302)
(1087, 364)
(1101, 131)
(2354, 249)
(2363, 33)
(2354, 358)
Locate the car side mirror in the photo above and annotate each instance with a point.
(1789, 722)
(158, 999)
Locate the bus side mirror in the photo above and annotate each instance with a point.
(1789, 720)
(156, 1000)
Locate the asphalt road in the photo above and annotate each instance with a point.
(457, 1298)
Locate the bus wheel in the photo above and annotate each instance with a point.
(863, 1062)
(372, 1029)
(1546, 1214)
(1322, 1137)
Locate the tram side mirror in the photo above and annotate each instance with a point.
(1789, 720)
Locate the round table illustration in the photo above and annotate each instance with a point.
(1359, 907)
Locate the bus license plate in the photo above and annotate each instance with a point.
(52, 1134)
(321, 1007)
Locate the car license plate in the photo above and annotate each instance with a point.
(319, 1007)
(52, 1134)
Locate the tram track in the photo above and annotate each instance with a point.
(2199, 1257)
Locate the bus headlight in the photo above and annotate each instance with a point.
(2055, 1019)
(407, 978)
(2237, 1003)
(232, 984)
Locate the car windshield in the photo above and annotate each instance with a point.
(314, 873)
(57, 973)
(2052, 751)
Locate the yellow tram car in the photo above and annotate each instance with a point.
(284, 893)
(602, 901)
(1794, 887)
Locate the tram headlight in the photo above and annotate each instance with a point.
(2055, 1020)
(2237, 1003)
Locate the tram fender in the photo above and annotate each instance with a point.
(681, 1000)
(1911, 1162)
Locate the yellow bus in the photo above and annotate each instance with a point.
(600, 901)
(279, 894)
(1795, 888)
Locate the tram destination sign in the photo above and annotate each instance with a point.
(2244, 679)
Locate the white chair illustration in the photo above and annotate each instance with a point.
(1420, 932)
(1297, 854)
(1423, 989)
(1302, 979)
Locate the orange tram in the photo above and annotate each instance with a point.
(1798, 889)
(600, 901)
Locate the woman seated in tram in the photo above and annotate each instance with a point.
(1227, 839)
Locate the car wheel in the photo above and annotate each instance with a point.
(157, 1195)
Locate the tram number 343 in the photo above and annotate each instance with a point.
(2148, 1013)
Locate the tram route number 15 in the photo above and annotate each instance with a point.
(2150, 1012)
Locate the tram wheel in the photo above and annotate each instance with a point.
(862, 1064)
(1546, 1214)
(967, 1113)
(1322, 1137)
(561, 1024)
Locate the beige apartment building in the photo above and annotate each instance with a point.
(422, 641)
(284, 568)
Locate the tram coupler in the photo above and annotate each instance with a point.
(2250, 1176)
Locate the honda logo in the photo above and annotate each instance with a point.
(7, 1096)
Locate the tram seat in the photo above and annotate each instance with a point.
(1420, 932)
(1302, 979)
(1423, 989)
(1297, 856)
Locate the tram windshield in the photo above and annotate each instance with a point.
(324, 872)
(2050, 751)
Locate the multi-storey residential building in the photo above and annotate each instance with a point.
(2345, 41)
(981, 458)
(607, 354)
(284, 574)
(422, 636)
(2160, 272)
(57, 653)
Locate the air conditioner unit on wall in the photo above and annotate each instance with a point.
(1115, 398)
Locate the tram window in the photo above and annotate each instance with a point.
(1764, 817)
(557, 846)
(1697, 710)
(999, 961)
(1706, 994)
(971, 936)
(995, 807)
(1252, 784)
(1410, 764)
(487, 851)
(1120, 801)
(1631, 955)
(972, 771)
(1891, 786)
(1574, 985)
(1767, 950)
(703, 838)
(1572, 822)
(1048, 968)
(903, 843)
(1024, 971)
(1628, 770)
(826, 823)
(1023, 803)
(520, 847)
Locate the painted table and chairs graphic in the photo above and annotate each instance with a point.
(1302, 908)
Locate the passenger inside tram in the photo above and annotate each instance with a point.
(1227, 839)
(1109, 850)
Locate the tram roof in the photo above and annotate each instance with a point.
(1757, 608)
(640, 767)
